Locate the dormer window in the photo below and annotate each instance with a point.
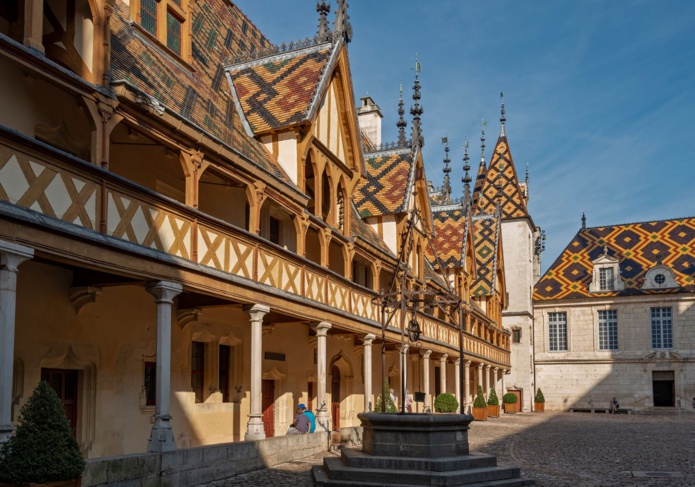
(660, 277)
(606, 274)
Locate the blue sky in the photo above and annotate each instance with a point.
(600, 96)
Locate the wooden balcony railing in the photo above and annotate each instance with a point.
(42, 179)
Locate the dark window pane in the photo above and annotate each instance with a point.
(274, 234)
(225, 368)
(173, 33)
(148, 15)
(150, 383)
(198, 369)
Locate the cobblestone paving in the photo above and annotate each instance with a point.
(557, 450)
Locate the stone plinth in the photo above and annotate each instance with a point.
(415, 435)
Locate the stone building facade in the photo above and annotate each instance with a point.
(615, 317)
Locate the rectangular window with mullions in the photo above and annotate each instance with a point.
(173, 33)
(662, 328)
(148, 15)
(557, 332)
(606, 279)
(608, 330)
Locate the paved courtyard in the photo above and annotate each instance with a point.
(559, 450)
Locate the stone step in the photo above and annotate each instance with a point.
(359, 459)
(337, 470)
(321, 480)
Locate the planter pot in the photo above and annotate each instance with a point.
(60, 483)
(493, 411)
(510, 408)
(479, 414)
(539, 407)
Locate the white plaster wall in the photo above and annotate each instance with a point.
(287, 154)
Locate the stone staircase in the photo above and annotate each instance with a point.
(665, 411)
(356, 468)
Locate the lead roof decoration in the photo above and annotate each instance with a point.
(637, 246)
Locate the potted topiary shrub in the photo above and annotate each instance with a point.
(510, 403)
(539, 401)
(493, 404)
(42, 450)
(445, 403)
(390, 406)
(479, 406)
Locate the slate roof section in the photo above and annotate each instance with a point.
(278, 91)
(218, 32)
(636, 245)
(513, 204)
(486, 230)
(359, 228)
(385, 188)
(450, 230)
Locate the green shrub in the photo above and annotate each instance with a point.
(479, 399)
(43, 448)
(445, 403)
(510, 398)
(390, 406)
(492, 399)
(540, 399)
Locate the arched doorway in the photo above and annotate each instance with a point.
(335, 398)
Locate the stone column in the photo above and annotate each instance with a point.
(404, 375)
(255, 429)
(480, 379)
(504, 371)
(426, 374)
(11, 256)
(322, 419)
(494, 378)
(442, 373)
(467, 383)
(368, 340)
(487, 381)
(457, 379)
(162, 436)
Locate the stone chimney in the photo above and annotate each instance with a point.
(369, 116)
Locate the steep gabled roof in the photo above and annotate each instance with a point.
(387, 184)
(513, 203)
(278, 91)
(638, 246)
(486, 240)
(447, 246)
(198, 97)
(358, 228)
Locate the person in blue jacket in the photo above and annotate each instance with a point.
(312, 418)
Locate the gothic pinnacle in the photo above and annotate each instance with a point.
(401, 124)
(446, 187)
(323, 9)
(417, 110)
(466, 177)
(503, 118)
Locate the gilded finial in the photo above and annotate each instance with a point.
(323, 9)
(401, 124)
(503, 118)
(466, 177)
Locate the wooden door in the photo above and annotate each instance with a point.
(268, 402)
(64, 382)
(335, 398)
(518, 393)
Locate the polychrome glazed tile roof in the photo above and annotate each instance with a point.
(359, 228)
(431, 275)
(479, 183)
(384, 189)
(218, 31)
(636, 245)
(512, 203)
(279, 92)
(450, 229)
(486, 229)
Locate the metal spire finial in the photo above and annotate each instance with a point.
(583, 221)
(466, 177)
(482, 145)
(342, 21)
(526, 180)
(401, 124)
(446, 187)
(503, 118)
(323, 9)
(416, 111)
